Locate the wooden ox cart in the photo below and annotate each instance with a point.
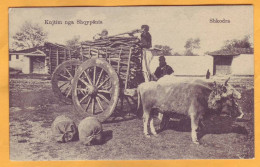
(98, 74)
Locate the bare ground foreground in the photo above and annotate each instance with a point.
(33, 108)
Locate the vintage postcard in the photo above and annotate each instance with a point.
(131, 83)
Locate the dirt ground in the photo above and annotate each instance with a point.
(33, 108)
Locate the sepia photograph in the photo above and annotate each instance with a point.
(131, 83)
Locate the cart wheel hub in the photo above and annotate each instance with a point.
(92, 90)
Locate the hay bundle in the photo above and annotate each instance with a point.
(90, 131)
(64, 129)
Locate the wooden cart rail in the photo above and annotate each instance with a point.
(123, 54)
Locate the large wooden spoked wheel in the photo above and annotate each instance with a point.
(62, 80)
(95, 89)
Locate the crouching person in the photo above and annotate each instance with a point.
(90, 131)
(64, 129)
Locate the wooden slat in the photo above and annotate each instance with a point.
(118, 68)
(57, 58)
(128, 67)
(70, 55)
(65, 54)
(50, 62)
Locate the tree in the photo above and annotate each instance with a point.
(176, 54)
(243, 43)
(190, 45)
(73, 43)
(30, 35)
(163, 50)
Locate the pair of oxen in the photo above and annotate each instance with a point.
(192, 98)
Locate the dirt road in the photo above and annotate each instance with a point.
(33, 108)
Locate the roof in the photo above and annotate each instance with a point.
(48, 44)
(232, 52)
(35, 51)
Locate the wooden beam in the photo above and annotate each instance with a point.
(50, 61)
(119, 59)
(69, 54)
(128, 68)
(57, 57)
(65, 55)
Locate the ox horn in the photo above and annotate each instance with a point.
(227, 81)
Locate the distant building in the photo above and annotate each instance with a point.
(31, 60)
(40, 60)
(238, 61)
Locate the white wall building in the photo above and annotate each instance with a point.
(29, 61)
(243, 64)
(186, 65)
(240, 64)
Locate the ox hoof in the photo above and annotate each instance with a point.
(148, 136)
(156, 135)
(196, 142)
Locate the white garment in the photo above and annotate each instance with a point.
(147, 58)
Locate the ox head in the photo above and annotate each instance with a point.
(222, 91)
(228, 91)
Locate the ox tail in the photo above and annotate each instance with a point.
(139, 104)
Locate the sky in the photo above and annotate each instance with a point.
(169, 25)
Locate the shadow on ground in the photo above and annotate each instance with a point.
(215, 125)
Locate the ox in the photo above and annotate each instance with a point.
(191, 98)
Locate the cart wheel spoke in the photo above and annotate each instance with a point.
(60, 86)
(88, 104)
(103, 97)
(65, 87)
(99, 76)
(86, 74)
(103, 82)
(82, 90)
(94, 75)
(69, 72)
(64, 76)
(84, 98)
(69, 92)
(99, 103)
(83, 81)
(104, 91)
(93, 106)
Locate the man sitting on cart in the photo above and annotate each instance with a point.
(102, 35)
(146, 44)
